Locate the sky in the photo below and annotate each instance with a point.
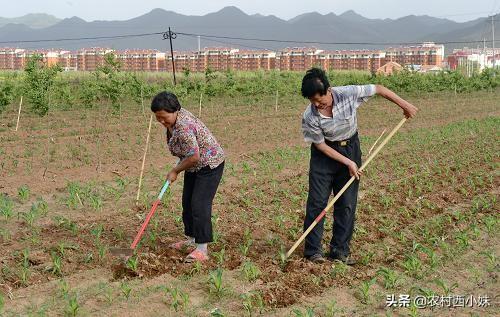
(458, 10)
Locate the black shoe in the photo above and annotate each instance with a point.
(316, 258)
(342, 258)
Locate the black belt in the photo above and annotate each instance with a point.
(343, 142)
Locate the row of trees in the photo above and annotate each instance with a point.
(43, 87)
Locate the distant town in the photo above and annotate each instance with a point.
(427, 57)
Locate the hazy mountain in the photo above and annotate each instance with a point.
(232, 22)
(35, 20)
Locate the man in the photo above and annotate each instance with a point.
(330, 124)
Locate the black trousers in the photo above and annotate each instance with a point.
(197, 197)
(327, 175)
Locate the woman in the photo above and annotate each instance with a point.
(330, 124)
(202, 159)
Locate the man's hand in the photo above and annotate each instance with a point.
(172, 176)
(409, 110)
(353, 170)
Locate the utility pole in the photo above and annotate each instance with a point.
(199, 43)
(493, 38)
(485, 56)
(171, 35)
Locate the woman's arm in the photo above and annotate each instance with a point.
(183, 165)
(409, 110)
(328, 151)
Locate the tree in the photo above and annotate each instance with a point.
(38, 80)
(112, 85)
(6, 94)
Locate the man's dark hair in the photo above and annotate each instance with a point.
(165, 101)
(314, 82)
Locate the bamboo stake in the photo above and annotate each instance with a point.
(19, 112)
(144, 160)
(142, 101)
(199, 112)
(330, 205)
(276, 104)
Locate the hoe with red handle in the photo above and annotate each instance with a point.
(127, 252)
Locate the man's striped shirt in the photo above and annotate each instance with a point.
(317, 128)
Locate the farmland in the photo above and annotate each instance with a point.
(427, 220)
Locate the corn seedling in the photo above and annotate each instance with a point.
(6, 207)
(125, 289)
(245, 247)
(25, 257)
(101, 251)
(463, 239)
(29, 217)
(217, 313)
(412, 265)
(338, 269)
(390, 277)
(366, 258)
(24, 193)
(219, 256)
(72, 306)
(67, 224)
(331, 309)
(251, 301)
(56, 264)
(179, 299)
(433, 257)
(132, 263)
(364, 290)
(215, 282)
(446, 289)
(492, 260)
(309, 312)
(196, 268)
(251, 271)
(97, 231)
(24, 275)
(63, 288)
(490, 222)
(61, 247)
(283, 260)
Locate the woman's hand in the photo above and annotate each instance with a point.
(172, 175)
(353, 169)
(409, 110)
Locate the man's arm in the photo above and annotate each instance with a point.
(409, 110)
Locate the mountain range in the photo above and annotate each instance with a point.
(232, 22)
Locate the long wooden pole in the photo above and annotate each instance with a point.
(330, 205)
(144, 160)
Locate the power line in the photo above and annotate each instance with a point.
(219, 37)
(83, 38)
(231, 43)
(320, 42)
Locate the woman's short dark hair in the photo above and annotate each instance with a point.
(165, 101)
(314, 82)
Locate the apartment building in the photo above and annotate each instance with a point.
(223, 58)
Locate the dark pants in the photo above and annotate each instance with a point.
(327, 175)
(197, 197)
